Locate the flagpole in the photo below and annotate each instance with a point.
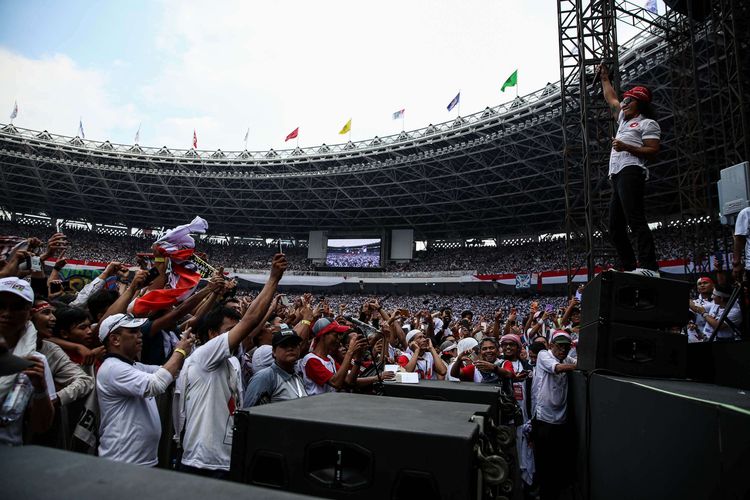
(403, 127)
(459, 104)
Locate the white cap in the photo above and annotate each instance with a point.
(116, 321)
(19, 287)
(411, 335)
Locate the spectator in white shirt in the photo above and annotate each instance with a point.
(212, 389)
(129, 426)
(550, 435)
(714, 311)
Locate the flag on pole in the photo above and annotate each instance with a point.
(651, 6)
(195, 140)
(347, 127)
(293, 134)
(80, 129)
(247, 133)
(398, 114)
(512, 81)
(137, 134)
(14, 113)
(454, 102)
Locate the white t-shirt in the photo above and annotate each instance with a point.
(311, 387)
(700, 321)
(726, 332)
(424, 367)
(212, 392)
(632, 132)
(551, 389)
(742, 228)
(129, 425)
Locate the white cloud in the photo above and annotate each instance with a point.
(53, 93)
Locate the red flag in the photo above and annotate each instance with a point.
(293, 134)
(184, 278)
(195, 140)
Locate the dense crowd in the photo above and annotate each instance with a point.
(671, 242)
(149, 367)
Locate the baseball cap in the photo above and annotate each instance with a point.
(17, 286)
(116, 321)
(561, 337)
(639, 93)
(285, 335)
(325, 325)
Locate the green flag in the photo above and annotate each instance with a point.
(511, 81)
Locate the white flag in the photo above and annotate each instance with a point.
(80, 129)
(14, 113)
(138, 134)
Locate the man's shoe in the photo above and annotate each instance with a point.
(645, 272)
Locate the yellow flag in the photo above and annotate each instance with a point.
(347, 127)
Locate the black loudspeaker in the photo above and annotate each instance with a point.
(632, 350)
(356, 446)
(38, 472)
(444, 390)
(721, 363)
(643, 438)
(699, 9)
(635, 299)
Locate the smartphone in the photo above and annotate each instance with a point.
(404, 313)
(35, 263)
(55, 287)
(153, 273)
(65, 284)
(285, 301)
(549, 308)
(281, 250)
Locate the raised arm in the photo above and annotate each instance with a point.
(609, 91)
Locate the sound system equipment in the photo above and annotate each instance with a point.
(342, 445)
(39, 472)
(621, 318)
(632, 350)
(635, 299)
(721, 363)
(444, 390)
(651, 438)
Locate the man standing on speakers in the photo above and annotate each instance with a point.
(550, 433)
(637, 140)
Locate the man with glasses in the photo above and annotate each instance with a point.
(130, 427)
(550, 434)
(637, 141)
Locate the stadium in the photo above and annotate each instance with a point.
(502, 209)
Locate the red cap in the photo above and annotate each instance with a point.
(639, 93)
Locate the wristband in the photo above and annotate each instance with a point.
(305, 322)
(181, 351)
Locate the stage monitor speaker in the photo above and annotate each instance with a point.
(720, 363)
(632, 350)
(357, 446)
(40, 472)
(698, 9)
(642, 438)
(635, 299)
(444, 390)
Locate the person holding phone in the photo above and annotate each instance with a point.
(636, 142)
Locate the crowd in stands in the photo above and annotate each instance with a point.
(133, 367)
(671, 242)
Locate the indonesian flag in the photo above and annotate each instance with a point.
(293, 134)
(195, 140)
(177, 246)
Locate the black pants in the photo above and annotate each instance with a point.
(552, 451)
(626, 209)
(215, 474)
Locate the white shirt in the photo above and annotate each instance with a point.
(632, 132)
(212, 391)
(726, 332)
(742, 228)
(129, 425)
(551, 389)
(700, 321)
(311, 387)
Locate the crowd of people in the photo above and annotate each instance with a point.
(148, 367)
(676, 242)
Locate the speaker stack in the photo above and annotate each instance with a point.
(341, 445)
(630, 325)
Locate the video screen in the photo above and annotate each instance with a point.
(353, 253)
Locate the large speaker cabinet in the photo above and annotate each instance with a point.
(355, 446)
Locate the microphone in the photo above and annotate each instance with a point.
(362, 324)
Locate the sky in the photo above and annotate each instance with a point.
(222, 68)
